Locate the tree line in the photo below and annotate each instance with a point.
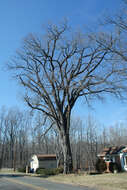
(23, 134)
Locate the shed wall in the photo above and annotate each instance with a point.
(48, 164)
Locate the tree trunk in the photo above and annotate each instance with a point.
(68, 163)
(2, 156)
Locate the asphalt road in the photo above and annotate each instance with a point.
(20, 182)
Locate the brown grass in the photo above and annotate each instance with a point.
(100, 181)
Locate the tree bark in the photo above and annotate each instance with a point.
(66, 147)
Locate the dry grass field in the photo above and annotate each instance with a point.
(100, 181)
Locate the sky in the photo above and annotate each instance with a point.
(21, 17)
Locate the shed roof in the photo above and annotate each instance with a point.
(46, 156)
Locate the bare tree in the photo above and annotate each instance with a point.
(59, 68)
(3, 134)
(14, 134)
(116, 35)
(91, 141)
(77, 140)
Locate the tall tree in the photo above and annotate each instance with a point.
(60, 67)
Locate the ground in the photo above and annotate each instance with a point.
(23, 182)
(84, 181)
(100, 181)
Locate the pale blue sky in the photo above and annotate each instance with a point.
(20, 17)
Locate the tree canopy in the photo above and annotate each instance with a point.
(60, 67)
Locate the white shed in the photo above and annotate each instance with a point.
(45, 161)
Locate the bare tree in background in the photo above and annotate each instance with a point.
(14, 134)
(117, 32)
(91, 141)
(3, 135)
(59, 68)
(77, 142)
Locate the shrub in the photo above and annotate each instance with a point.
(100, 165)
(114, 167)
(40, 170)
(23, 169)
(45, 171)
(54, 171)
(58, 171)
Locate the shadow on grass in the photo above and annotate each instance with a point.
(11, 175)
(42, 176)
(95, 173)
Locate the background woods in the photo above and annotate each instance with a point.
(22, 135)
